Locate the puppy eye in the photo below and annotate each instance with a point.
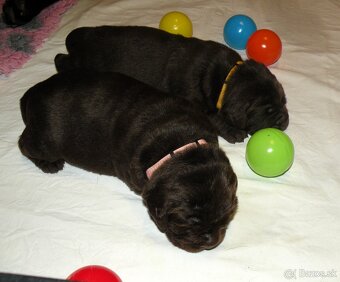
(194, 220)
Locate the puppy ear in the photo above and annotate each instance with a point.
(154, 200)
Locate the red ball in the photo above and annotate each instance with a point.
(94, 273)
(264, 46)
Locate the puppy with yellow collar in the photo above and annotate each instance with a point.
(251, 98)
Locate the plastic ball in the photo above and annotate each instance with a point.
(94, 273)
(176, 23)
(264, 46)
(270, 152)
(237, 31)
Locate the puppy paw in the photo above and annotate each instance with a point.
(234, 136)
(227, 131)
(50, 167)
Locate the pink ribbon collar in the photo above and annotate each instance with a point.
(154, 167)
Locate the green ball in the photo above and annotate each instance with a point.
(270, 152)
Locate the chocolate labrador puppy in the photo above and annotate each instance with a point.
(111, 124)
(240, 97)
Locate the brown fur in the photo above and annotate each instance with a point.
(111, 124)
(187, 67)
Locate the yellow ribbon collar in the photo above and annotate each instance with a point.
(224, 87)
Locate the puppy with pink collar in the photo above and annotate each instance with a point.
(160, 145)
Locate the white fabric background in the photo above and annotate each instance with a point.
(50, 225)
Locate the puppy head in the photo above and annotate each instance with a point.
(254, 99)
(192, 198)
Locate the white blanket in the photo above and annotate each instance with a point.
(286, 227)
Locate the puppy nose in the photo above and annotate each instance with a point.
(207, 239)
(211, 241)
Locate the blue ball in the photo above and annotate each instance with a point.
(237, 31)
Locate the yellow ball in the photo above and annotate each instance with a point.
(176, 23)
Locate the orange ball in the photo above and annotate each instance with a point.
(264, 46)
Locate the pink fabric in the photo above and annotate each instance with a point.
(153, 168)
(18, 44)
